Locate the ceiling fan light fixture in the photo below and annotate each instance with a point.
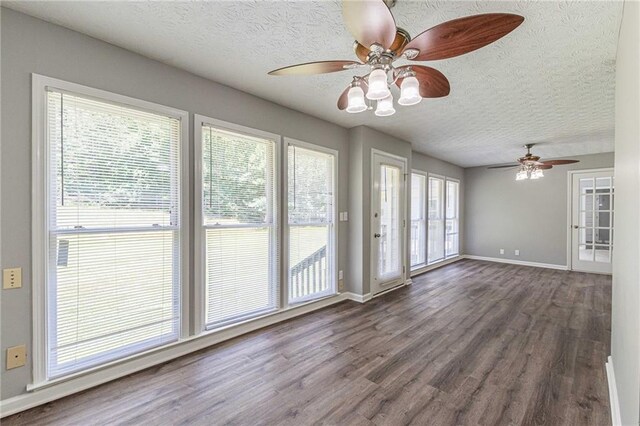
(410, 91)
(522, 175)
(378, 88)
(356, 101)
(385, 107)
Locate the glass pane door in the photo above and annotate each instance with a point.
(592, 242)
(388, 242)
(387, 222)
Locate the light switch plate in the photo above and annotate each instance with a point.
(12, 278)
(16, 356)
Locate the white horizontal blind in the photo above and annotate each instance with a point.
(239, 225)
(114, 249)
(435, 250)
(453, 221)
(311, 201)
(418, 219)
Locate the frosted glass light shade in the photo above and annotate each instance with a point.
(521, 175)
(385, 107)
(537, 174)
(356, 100)
(378, 88)
(409, 92)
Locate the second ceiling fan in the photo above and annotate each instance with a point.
(530, 166)
(379, 43)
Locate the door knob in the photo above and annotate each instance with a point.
(575, 226)
(376, 235)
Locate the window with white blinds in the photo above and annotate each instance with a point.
(453, 221)
(239, 225)
(435, 250)
(113, 229)
(418, 219)
(311, 206)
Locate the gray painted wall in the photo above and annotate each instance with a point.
(625, 321)
(30, 46)
(529, 215)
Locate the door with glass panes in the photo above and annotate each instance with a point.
(592, 221)
(387, 222)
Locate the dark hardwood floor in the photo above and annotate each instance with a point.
(471, 343)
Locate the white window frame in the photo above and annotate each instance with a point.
(425, 207)
(41, 211)
(446, 194)
(199, 121)
(333, 241)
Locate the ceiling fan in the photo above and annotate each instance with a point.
(530, 165)
(379, 43)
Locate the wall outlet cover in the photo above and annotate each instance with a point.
(517, 252)
(16, 356)
(12, 278)
(501, 251)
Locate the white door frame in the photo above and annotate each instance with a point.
(403, 230)
(570, 174)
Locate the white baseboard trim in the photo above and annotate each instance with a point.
(44, 393)
(613, 394)
(368, 296)
(518, 262)
(360, 298)
(423, 269)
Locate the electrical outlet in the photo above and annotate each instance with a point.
(340, 285)
(12, 278)
(340, 275)
(16, 356)
(517, 252)
(501, 251)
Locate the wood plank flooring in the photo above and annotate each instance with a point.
(471, 343)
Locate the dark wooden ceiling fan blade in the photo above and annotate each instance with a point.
(545, 166)
(369, 22)
(309, 68)
(559, 162)
(504, 166)
(463, 35)
(433, 84)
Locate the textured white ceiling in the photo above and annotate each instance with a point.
(551, 81)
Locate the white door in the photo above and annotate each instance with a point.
(592, 221)
(387, 222)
